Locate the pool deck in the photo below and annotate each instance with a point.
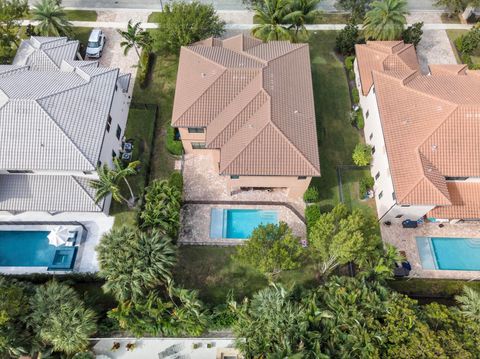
(404, 240)
(203, 183)
(86, 261)
(195, 220)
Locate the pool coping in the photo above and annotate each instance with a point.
(44, 226)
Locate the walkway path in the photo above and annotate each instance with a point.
(231, 26)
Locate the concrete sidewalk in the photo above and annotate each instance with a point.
(316, 27)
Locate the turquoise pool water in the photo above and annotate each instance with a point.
(238, 223)
(31, 249)
(449, 253)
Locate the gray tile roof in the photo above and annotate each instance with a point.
(54, 108)
(46, 193)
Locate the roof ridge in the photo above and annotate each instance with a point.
(56, 47)
(86, 192)
(293, 146)
(244, 148)
(243, 108)
(63, 132)
(302, 46)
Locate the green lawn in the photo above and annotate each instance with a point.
(351, 194)
(140, 127)
(447, 19)
(453, 35)
(445, 288)
(336, 137)
(76, 15)
(213, 272)
(160, 91)
(153, 17)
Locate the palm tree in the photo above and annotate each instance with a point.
(134, 38)
(109, 181)
(386, 20)
(469, 303)
(302, 12)
(272, 22)
(60, 318)
(52, 19)
(134, 262)
(162, 208)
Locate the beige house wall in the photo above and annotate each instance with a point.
(295, 187)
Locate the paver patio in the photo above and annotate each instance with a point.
(404, 240)
(203, 183)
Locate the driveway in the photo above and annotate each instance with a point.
(435, 48)
(113, 55)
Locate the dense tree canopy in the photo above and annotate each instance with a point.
(385, 20)
(52, 18)
(272, 249)
(357, 8)
(341, 236)
(60, 318)
(11, 14)
(352, 318)
(182, 23)
(134, 262)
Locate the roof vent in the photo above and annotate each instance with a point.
(434, 147)
(296, 111)
(204, 74)
(405, 122)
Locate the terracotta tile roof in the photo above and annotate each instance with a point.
(439, 70)
(431, 127)
(465, 202)
(255, 100)
(384, 56)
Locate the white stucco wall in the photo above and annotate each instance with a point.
(387, 207)
(119, 113)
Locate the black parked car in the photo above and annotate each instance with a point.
(408, 223)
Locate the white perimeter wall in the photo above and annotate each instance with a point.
(387, 207)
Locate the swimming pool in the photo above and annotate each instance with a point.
(238, 223)
(31, 249)
(449, 253)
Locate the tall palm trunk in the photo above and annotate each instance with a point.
(131, 201)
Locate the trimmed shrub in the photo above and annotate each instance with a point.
(312, 214)
(176, 180)
(346, 39)
(362, 154)
(349, 62)
(144, 68)
(365, 184)
(413, 34)
(360, 120)
(311, 195)
(355, 95)
(175, 147)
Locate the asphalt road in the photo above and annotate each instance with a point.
(326, 5)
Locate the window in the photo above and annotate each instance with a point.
(198, 145)
(302, 177)
(19, 171)
(116, 88)
(405, 205)
(371, 135)
(196, 130)
(119, 132)
(109, 123)
(87, 172)
(373, 150)
(99, 163)
(234, 177)
(114, 154)
(380, 195)
(366, 114)
(456, 178)
(399, 216)
(377, 175)
(394, 197)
